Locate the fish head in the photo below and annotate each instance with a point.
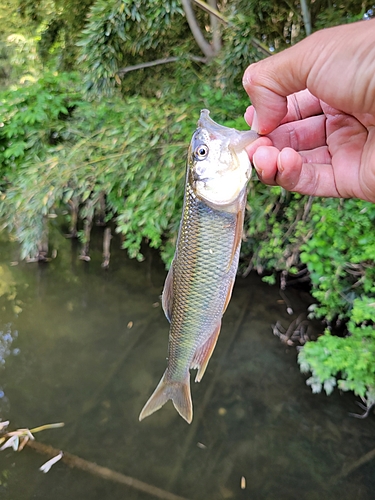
(218, 165)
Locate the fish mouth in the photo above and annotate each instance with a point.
(238, 140)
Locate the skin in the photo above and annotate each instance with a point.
(314, 105)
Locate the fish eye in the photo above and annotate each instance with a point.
(201, 152)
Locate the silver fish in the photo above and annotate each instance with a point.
(199, 284)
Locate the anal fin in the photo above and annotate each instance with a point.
(203, 354)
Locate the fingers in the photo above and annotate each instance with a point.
(302, 105)
(268, 82)
(306, 134)
(299, 106)
(262, 141)
(308, 137)
(317, 63)
(288, 169)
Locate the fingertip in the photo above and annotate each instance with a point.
(249, 115)
(261, 141)
(289, 159)
(258, 170)
(289, 165)
(265, 163)
(254, 123)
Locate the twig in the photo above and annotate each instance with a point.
(164, 60)
(289, 308)
(103, 472)
(211, 10)
(367, 410)
(214, 12)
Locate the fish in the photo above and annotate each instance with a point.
(199, 284)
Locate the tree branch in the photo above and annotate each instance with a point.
(102, 472)
(306, 15)
(211, 9)
(165, 60)
(214, 20)
(205, 47)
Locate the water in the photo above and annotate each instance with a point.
(87, 347)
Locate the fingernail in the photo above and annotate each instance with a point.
(258, 170)
(254, 123)
(280, 166)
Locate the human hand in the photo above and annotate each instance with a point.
(316, 103)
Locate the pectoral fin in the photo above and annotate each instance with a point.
(203, 354)
(167, 295)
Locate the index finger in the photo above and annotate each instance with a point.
(302, 105)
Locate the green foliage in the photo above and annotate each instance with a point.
(59, 150)
(256, 29)
(275, 228)
(334, 239)
(340, 13)
(124, 32)
(350, 360)
(58, 24)
(340, 254)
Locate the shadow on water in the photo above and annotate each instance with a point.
(87, 347)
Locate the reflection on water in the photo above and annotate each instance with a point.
(90, 348)
(7, 337)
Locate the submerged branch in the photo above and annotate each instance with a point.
(103, 472)
(348, 469)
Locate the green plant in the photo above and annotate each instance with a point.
(349, 360)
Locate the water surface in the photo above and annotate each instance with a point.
(86, 346)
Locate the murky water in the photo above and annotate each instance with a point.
(86, 346)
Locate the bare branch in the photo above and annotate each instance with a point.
(306, 15)
(205, 46)
(165, 60)
(216, 32)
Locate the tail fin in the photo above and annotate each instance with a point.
(178, 392)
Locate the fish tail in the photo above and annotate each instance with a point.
(178, 392)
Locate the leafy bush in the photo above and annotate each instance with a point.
(334, 239)
(351, 359)
(58, 149)
(340, 255)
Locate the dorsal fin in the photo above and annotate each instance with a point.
(167, 295)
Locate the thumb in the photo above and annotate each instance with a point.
(269, 82)
(317, 63)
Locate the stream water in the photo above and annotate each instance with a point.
(87, 346)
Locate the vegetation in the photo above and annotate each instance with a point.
(112, 147)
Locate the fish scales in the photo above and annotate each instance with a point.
(202, 278)
(199, 283)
